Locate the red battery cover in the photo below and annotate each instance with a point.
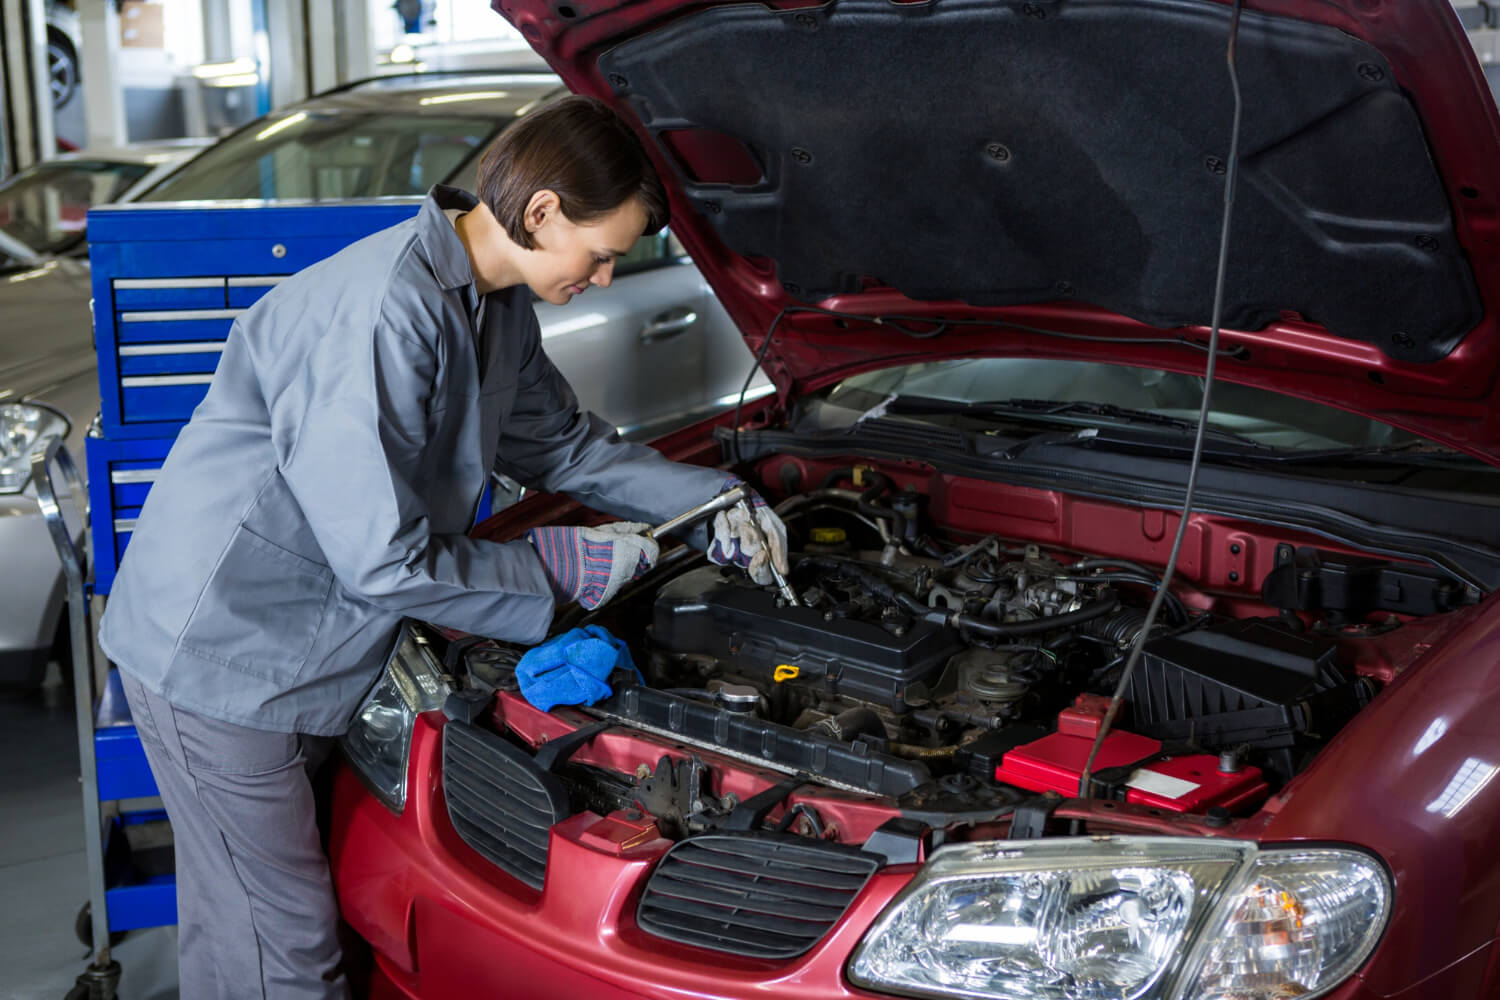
(1055, 763)
(1179, 784)
(1195, 783)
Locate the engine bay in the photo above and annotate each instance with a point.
(953, 672)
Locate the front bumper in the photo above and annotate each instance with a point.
(442, 919)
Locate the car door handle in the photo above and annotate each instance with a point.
(668, 324)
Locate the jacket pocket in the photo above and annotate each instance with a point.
(261, 610)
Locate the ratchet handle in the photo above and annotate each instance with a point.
(729, 498)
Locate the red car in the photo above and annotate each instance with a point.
(981, 248)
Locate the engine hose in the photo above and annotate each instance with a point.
(996, 630)
(1118, 628)
(836, 475)
(1101, 563)
(880, 484)
(1173, 603)
(1036, 626)
(850, 725)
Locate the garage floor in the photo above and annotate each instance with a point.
(43, 871)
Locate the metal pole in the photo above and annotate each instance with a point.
(81, 626)
(99, 72)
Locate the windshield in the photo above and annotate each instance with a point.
(46, 207)
(330, 155)
(1266, 418)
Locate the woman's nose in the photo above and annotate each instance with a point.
(603, 274)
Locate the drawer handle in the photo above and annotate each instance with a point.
(122, 477)
(169, 315)
(124, 524)
(143, 283)
(148, 350)
(143, 381)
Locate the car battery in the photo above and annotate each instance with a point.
(1188, 783)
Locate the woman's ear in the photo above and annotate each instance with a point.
(540, 209)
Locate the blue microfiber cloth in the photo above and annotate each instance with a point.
(574, 668)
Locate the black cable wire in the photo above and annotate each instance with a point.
(1208, 384)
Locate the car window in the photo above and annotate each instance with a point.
(649, 252)
(331, 155)
(46, 207)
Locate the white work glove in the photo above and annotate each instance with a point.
(736, 541)
(590, 565)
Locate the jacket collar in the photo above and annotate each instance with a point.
(450, 262)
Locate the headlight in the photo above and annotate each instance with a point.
(23, 430)
(1128, 918)
(1301, 922)
(378, 741)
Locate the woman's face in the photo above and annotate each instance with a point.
(571, 256)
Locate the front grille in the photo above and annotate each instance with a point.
(764, 895)
(500, 802)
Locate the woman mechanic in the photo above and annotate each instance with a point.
(322, 492)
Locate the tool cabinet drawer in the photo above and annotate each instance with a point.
(120, 476)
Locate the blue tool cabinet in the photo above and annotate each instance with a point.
(168, 283)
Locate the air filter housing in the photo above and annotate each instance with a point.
(1254, 684)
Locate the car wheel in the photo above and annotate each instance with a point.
(62, 68)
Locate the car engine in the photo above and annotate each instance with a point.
(949, 672)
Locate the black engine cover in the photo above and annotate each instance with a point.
(708, 613)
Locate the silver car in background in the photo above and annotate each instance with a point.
(654, 351)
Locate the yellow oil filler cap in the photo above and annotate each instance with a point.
(785, 672)
(829, 536)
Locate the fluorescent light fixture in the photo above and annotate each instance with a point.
(281, 126)
(403, 53)
(235, 67)
(473, 95)
(238, 80)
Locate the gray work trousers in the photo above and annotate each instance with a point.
(256, 912)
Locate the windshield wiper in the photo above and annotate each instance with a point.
(1045, 410)
(1407, 450)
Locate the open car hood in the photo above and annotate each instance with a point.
(1051, 174)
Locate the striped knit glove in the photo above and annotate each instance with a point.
(734, 541)
(590, 565)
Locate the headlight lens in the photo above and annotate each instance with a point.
(1300, 924)
(1052, 920)
(24, 429)
(378, 741)
(1112, 919)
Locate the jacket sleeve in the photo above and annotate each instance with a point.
(552, 445)
(355, 438)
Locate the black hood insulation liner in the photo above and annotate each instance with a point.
(1072, 149)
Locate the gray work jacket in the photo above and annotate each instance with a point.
(325, 485)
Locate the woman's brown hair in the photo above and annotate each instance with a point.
(579, 148)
